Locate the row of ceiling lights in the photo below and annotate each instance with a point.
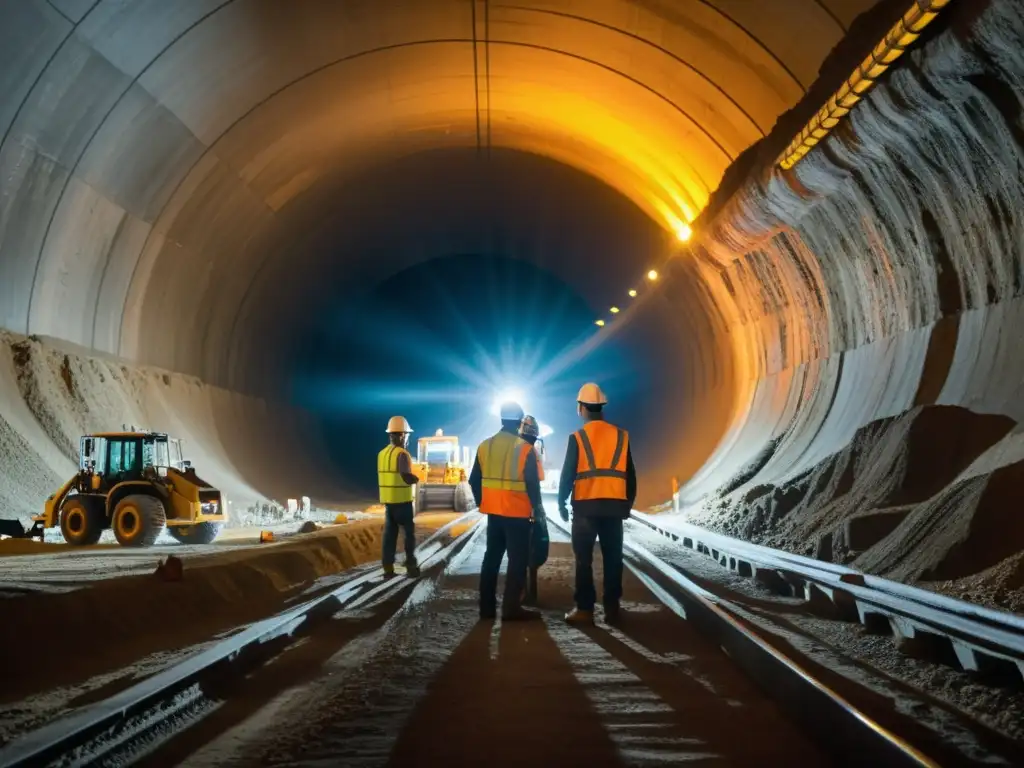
(652, 275)
(683, 234)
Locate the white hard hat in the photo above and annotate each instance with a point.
(591, 394)
(398, 424)
(511, 411)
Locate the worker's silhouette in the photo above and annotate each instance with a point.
(395, 481)
(539, 541)
(505, 483)
(599, 473)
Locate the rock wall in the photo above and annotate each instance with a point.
(51, 393)
(879, 280)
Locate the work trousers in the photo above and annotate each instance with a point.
(504, 534)
(399, 516)
(585, 531)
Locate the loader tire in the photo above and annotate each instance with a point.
(138, 520)
(200, 533)
(81, 521)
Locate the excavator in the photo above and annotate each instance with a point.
(442, 470)
(137, 483)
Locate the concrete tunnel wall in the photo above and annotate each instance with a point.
(158, 160)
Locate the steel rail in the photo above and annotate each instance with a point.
(840, 728)
(982, 640)
(61, 737)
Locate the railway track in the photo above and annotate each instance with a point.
(986, 643)
(853, 738)
(153, 722)
(124, 727)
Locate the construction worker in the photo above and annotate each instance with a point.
(396, 482)
(539, 541)
(505, 483)
(599, 473)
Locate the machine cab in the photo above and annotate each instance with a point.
(116, 457)
(440, 459)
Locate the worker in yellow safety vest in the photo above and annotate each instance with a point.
(506, 487)
(599, 473)
(396, 482)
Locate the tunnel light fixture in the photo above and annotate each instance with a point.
(652, 275)
(615, 310)
(599, 323)
(896, 42)
(632, 293)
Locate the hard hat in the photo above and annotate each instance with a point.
(529, 427)
(398, 424)
(511, 411)
(591, 394)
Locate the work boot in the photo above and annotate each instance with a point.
(488, 614)
(579, 616)
(518, 613)
(612, 613)
(412, 570)
(389, 570)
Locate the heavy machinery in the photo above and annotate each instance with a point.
(442, 470)
(136, 483)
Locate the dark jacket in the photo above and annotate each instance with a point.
(530, 476)
(594, 507)
(405, 469)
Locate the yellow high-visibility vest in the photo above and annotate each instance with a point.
(393, 489)
(502, 461)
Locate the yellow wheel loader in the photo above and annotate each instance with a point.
(441, 468)
(138, 484)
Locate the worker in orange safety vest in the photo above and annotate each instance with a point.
(505, 484)
(599, 473)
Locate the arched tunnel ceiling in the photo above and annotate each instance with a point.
(153, 132)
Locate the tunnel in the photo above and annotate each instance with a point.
(190, 192)
(785, 238)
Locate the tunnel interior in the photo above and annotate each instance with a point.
(499, 272)
(204, 205)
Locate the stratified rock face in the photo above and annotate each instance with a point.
(884, 273)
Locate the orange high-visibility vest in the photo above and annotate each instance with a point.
(502, 464)
(601, 467)
(540, 465)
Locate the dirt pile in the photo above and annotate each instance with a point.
(51, 394)
(895, 501)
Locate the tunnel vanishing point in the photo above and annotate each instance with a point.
(172, 172)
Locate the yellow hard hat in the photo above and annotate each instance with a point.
(398, 424)
(591, 394)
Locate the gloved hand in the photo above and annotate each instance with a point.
(538, 514)
(564, 514)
